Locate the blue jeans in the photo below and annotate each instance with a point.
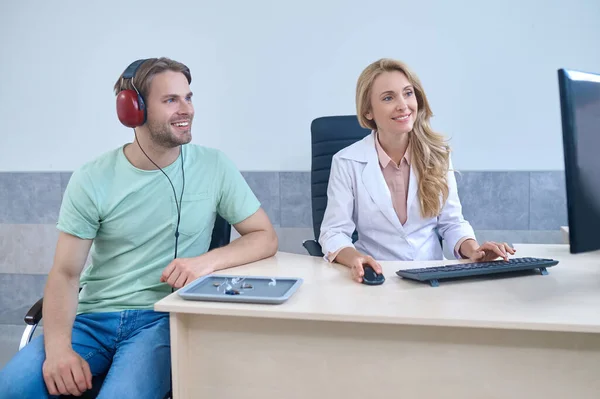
(129, 354)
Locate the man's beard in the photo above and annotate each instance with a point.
(162, 135)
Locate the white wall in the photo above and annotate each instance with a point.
(262, 70)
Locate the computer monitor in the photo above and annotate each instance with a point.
(580, 113)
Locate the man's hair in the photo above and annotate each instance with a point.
(146, 71)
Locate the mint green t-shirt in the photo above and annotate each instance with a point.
(131, 216)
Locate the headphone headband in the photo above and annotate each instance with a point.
(132, 69)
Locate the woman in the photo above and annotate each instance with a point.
(396, 187)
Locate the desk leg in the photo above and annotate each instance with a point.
(236, 357)
(179, 356)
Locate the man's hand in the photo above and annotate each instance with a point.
(182, 271)
(66, 373)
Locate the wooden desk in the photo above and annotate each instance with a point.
(520, 337)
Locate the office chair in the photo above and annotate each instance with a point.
(221, 236)
(329, 135)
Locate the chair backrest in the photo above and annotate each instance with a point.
(221, 234)
(329, 135)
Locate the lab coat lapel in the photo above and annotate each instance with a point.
(413, 208)
(378, 190)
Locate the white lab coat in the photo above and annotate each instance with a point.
(358, 197)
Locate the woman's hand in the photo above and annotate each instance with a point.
(486, 252)
(354, 260)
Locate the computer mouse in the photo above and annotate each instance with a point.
(371, 277)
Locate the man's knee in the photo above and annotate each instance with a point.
(22, 377)
(131, 389)
(153, 385)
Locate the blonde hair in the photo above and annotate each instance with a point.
(429, 151)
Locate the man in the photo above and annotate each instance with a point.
(148, 208)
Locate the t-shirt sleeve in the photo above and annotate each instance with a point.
(236, 201)
(79, 215)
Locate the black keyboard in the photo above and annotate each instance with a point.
(432, 275)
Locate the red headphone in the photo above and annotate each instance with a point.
(131, 108)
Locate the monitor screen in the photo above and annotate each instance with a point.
(580, 113)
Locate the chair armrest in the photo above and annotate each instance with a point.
(313, 248)
(34, 315)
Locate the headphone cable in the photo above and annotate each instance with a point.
(178, 205)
